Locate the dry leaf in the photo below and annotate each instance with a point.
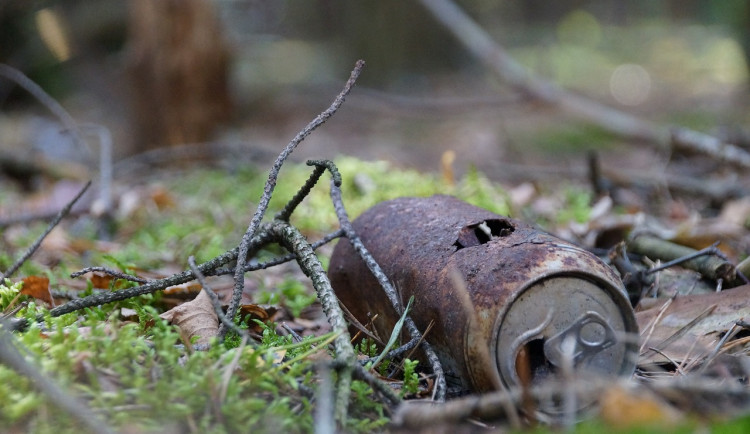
(731, 305)
(37, 287)
(101, 281)
(185, 288)
(195, 318)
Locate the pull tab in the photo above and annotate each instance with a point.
(590, 334)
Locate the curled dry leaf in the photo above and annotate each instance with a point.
(195, 318)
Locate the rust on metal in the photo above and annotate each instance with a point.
(532, 296)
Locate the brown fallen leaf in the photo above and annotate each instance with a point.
(719, 312)
(195, 318)
(37, 287)
(101, 281)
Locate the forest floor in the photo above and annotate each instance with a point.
(513, 157)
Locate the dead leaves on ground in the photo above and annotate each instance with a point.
(196, 319)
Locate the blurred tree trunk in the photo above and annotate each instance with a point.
(178, 65)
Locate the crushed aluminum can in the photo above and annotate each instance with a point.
(524, 300)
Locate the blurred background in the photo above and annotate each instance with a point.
(239, 78)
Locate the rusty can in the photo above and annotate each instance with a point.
(499, 292)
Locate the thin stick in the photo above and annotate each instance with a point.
(397, 352)
(281, 259)
(320, 168)
(291, 238)
(152, 286)
(729, 334)
(325, 419)
(30, 251)
(43, 97)
(390, 291)
(239, 279)
(110, 272)
(710, 250)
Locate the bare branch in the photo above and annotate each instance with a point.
(483, 47)
(288, 236)
(110, 272)
(239, 280)
(282, 259)
(262, 239)
(43, 97)
(60, 215)
(320, 167)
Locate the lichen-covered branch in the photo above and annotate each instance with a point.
(239, 279)
(281, 259)
(320, 168)
(152, 286)
(291, 238)
(110, 272)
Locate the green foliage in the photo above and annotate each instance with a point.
(8, 293)
(291, 293)
(577, 206)
(411, 378)
(140, 377)
(366, 347)
(364, 404)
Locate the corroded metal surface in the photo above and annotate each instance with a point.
(521, 293)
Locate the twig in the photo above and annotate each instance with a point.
(483, 47)
(325, 419)
(666, 356)
(63, 212)
(390, 291)
(239, 280)
(709, 262)
(288, 236)
(683, 138)
(111, 272)
(710, 250)
(320, 168)
(215, 302)
(262, 239)
(34, 89)
(281, 259)
(362, 374)
(394, 353)
(12, 358)
(715, 352)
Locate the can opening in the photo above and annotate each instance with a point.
(531, 364)
(481, 233)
